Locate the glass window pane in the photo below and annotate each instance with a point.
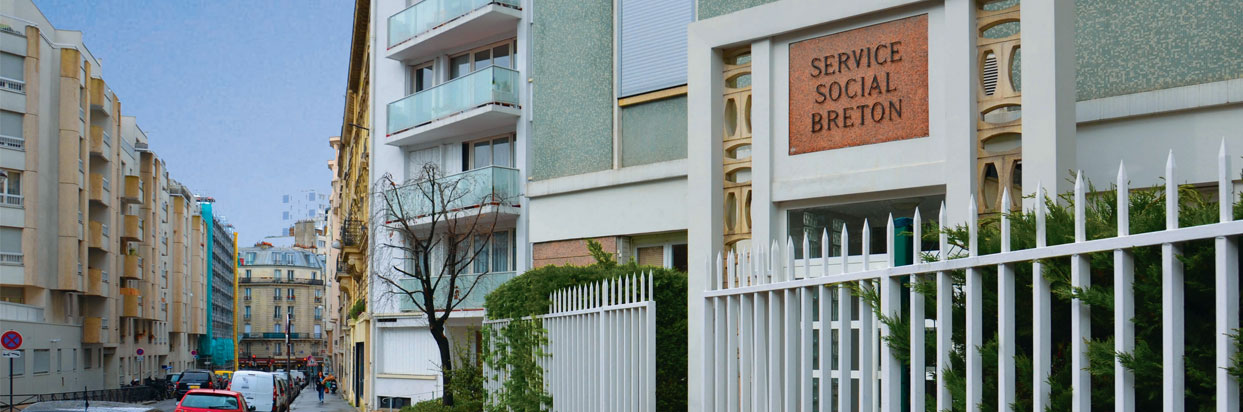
(502, 154)
(12, 66)
(10, 123)
(501, 56)
(459, 66)
(422, 78)
(483, 59)
(483, 155)
(10, 240)
(481, 260)
(500, 250)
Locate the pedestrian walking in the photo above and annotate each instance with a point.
(319, 386)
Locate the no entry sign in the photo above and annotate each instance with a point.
(12, 340)
(139, 351)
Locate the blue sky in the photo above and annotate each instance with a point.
(238, 97)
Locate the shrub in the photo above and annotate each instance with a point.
(527, 295)
(359, 307)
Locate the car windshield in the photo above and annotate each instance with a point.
(209, 401)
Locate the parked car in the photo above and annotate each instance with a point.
(285, 392)
(213, 400)
(293, 387)
(299, 377)
(260, 390)
(195, 379)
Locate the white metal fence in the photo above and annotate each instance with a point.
(601, 347)
(772, 325)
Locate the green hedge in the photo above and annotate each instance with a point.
(527, 295)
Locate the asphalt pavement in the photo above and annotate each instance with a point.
(307, 401)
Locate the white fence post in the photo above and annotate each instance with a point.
(1227, 290)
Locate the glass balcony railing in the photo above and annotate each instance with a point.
(487, 283)
(488, 85)
(487, 185)
(429, 14)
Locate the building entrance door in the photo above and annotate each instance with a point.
(358, 373)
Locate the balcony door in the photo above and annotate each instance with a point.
(493, 151)
(416, 159)
(496, 54)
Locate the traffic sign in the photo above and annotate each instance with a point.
(194, 353)
(139, 352)
(11, 340)
(12, 354)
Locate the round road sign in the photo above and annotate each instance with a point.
(12, 340)
(139, 352)
(194, 353)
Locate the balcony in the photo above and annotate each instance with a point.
(484, 100)
(487, 284)
(281, 281)
(96, 238)
(495, 188)
(95, 282)
(431, 26)
(133, 190)
(92, 329)
(353, 235)
(13, 201)
(12, 142)
(101, 143)
(12, 85)
(133, 267)
(100, 189)
(131, 302)
(132, 228)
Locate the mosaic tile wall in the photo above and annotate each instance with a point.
(653, 132)
(1131, 46)
(711, 8)
(572, 69)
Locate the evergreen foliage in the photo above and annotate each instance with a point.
(527, 295)
(1147, 214)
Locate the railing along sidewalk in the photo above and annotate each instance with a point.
(769, 320)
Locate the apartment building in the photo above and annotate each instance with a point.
(282, 297)
(85, 223)
(217, 349)
(449, 76)
(349, 214)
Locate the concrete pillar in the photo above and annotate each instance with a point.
(959, 113)
(1048, 69)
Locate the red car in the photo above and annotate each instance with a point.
(213, 400)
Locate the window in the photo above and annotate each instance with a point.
(314, 275)
(247, 328)
(43, 361)
(289, 310)
(290, 275)
(11, 136)
(250, 257)
(285, 199)
(500, 55)
(248, 312)
(289, 294)
(11, 185)
(494, 255)
(488, 152)
(814, 222)
(60, 361)
(73, 362)
(652, 44)
(276, 294)
(393, 402)
(319, 313)
(12, 294)
(87, 360)
(10, 244)
(12, 67)
(319, 293)
(422, 77)
(247, 275)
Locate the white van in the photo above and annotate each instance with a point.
(259, 389)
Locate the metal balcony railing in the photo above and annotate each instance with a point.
(429, 14)
(10, 258)
(10, 200)
(12, 142)
(488, 85)
(352, 232)
(13, 84)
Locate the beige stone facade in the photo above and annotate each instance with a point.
(273, 284)
(102, 251)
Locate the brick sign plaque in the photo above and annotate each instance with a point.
(862, 86)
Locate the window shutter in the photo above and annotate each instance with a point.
(653, 44)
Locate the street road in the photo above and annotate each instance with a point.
(308, 401)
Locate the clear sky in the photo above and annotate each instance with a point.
(238, 97)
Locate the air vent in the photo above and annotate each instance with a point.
(989, 74)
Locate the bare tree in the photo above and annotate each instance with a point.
(431, 229)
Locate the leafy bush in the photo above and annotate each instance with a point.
(359, 307)
(527, 295)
